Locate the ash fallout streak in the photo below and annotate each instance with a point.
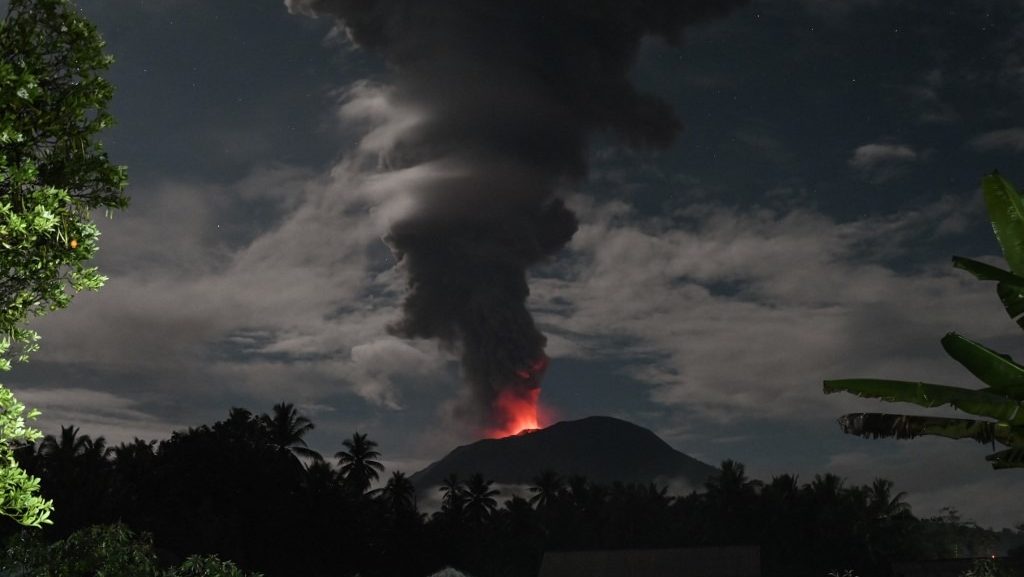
(505, 96)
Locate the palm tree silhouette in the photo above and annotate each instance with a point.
(69, 446)
(480, 502)
(320, 478)
(73, 451)
(731, 484)
(76, 477)
(96, 450)
(882, 504)
(134, 474)
(546, 488)
(286, 429)
(453, 496)
(826, 489)
(358, 467)
(137, 450)
(399, 494)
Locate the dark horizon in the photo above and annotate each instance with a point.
(238, 489)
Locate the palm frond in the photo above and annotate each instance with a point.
(882, 425)
(981, 403)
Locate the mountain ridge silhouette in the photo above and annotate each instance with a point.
(603, 449)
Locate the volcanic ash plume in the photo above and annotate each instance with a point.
(506, 94)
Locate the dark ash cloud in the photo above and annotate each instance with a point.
(507, 94)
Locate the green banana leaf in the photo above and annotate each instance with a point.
(1007, 459)
(1003, 398)
(1006, 211)
(999, 372)
(981, 403)
(1012, 298)
(1010, 287)
(985, 271)
(882, 425)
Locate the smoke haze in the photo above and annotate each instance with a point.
(502, 99)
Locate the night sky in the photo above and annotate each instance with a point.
(798, 228)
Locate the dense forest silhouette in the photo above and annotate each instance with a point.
(249, 490)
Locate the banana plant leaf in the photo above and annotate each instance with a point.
(881, 425)
(1007, 459)
(981, 403)
(985, 271)
(1007, 214)
(998, 371)
(1010, 287)
(1012, 298)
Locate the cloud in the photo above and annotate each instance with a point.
(96, 413)
(766, 144)
(871, 155)
(927, 95)
(1008, 139)
(247, 286)
(734, 313)
(881, 162)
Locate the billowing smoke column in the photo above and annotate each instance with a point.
(508, 93)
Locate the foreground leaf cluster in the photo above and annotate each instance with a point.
(106, 551)
(53, 170)
(53, 175)
(1002, 398)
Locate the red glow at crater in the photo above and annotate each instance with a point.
(519, 411)
(516, 408)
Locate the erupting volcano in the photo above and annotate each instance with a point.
(487, 117)
(516, 408)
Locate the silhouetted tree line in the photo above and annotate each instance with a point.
(249, 490)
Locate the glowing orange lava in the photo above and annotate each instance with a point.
(517, 405)
(519, 409)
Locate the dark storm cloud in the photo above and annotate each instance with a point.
(509, 94)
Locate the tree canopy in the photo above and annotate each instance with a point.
(53, 175)
(229, 489)
(53, 170)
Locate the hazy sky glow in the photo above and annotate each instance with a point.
(798, 229)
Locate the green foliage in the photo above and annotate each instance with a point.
(19, 492)
(987, 568)
(108, 550)
(1002, 398)
(53, 174)
(103, 550)
(209, 566)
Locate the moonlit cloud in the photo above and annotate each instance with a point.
(928, 96)
(96, 413)
(198, 295)
(766, 144)
(871, 155)
(1007, 139)
(741, 313)
(881, 162)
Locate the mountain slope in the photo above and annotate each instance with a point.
(603, 449)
